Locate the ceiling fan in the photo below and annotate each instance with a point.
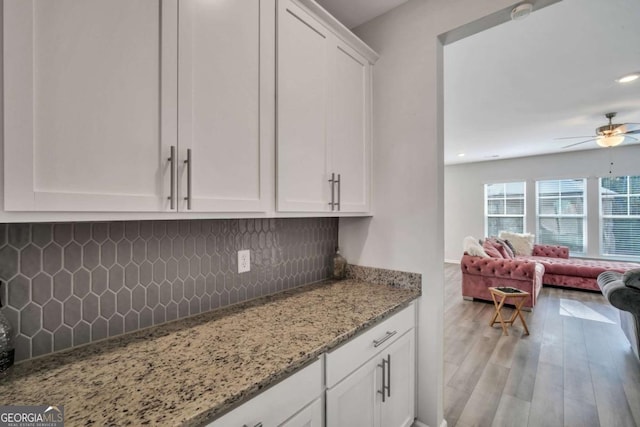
(609, 135)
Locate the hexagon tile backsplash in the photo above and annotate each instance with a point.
(67, 284)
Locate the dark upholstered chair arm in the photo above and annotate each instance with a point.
(517, 269)
(623, 297)
(551, 251)
(615, 289)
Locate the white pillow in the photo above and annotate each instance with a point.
(522, 243)
(471, 246)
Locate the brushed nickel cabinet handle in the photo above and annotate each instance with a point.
(172, 165)
(332, 181)
(339, 201)
(388, 375)
(189, 163)
(389, 334)
(384, 386)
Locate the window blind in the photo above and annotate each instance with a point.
(504, 207)
(561, 213)
(620, 216)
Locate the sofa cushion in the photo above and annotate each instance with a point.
(491, 250)
(522, 243)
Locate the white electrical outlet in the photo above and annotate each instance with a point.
(244, 261)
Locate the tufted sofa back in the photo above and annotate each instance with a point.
(552, 251)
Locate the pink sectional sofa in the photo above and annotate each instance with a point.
(549, 265)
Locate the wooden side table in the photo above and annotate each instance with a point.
(519, 297)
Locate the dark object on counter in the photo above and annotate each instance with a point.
(339, 266)
(7, 351)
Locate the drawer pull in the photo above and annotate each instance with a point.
(377, 343)
(257, 425)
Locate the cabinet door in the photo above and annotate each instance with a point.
(302, 49)
(220, 110)
(89, 104)
(355, 402)
(349, 127)
(311, 416)
(398, 408)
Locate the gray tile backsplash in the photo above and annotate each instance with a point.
(67, 284)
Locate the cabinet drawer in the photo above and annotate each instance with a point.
(275, 405)
(347, 358)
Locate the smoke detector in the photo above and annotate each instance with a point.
(521, 11)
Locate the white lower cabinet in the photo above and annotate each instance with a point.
(281, 402)
(380, 393)
(367, 382)
(371, 379)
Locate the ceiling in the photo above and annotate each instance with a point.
(510, 90)
(355, 12)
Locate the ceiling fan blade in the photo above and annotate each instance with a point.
(575, 137)
(631, 132)
(578, 143)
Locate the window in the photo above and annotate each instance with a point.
(561, 216)
(620, 216)
(504, 207)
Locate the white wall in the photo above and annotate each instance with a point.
(407, 229)
(464, 188)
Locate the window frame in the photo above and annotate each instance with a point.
(584, 216)
(505, 199)
(601, 216)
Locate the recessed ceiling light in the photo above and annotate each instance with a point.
(521, 11)
(460, 154)
(628, 78)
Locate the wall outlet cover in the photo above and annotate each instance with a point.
(244, 261)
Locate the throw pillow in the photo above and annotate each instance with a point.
(508, 251)
(471, 246)
(522, 243)
(491, 250)
(510, 246)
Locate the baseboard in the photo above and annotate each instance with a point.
(417, 423)
(452, 261)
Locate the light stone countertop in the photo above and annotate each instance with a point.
(192, 370)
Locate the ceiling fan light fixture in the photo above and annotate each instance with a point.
(610, 140)
(628, 78)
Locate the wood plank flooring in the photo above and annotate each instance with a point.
(575, 369)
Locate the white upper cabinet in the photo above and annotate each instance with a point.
(323, 113)
(99, 94)
(349, 128)
(222, 80)
(303, 77)
(89, 104)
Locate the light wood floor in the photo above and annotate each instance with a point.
(575, 369)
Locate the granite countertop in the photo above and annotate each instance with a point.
(189, 371)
